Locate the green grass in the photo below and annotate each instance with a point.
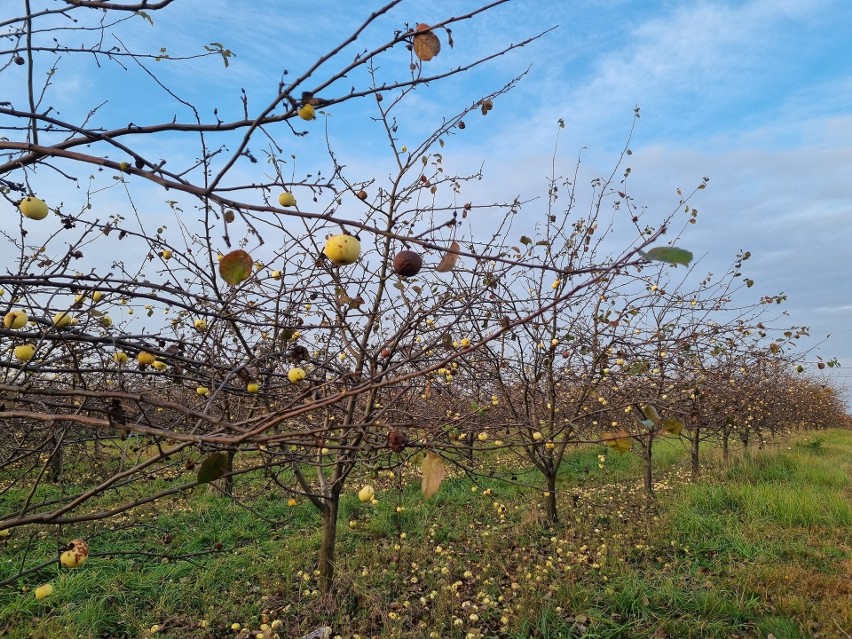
(763, 546)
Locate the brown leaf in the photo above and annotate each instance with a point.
(426, 44)
(434, 471)
(448, 261)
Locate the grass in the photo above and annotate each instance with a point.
(762, 546)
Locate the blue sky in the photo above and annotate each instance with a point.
(754, 94)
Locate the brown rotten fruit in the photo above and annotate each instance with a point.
(407, 263)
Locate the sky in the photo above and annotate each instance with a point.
(756, 95)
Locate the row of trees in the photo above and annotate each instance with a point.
(219, 336)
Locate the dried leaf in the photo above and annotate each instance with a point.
(434, 471)
(448, 261)
(235, 267)
(426, 44)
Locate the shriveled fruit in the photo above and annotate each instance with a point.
(407, 263)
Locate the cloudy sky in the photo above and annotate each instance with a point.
(756, 95)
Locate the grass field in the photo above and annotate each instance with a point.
(761, 547)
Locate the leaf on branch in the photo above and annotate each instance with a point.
(448, 261)
(434, 471)
(618, 441)
(525, 240)
(213, 468)
(672, 425)
(236, 267)
(670, 254)
(144, 14)
(426, 44)
(651, 413)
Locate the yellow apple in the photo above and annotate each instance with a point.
(106, 321)
(200, 324)
(145, 358)
(537, 436)
(203, 391)
(252, 387)
(120, 357)
(291, 502)
(96, 296)
(342, 249)
(465, 342)
(166, 255)
(366, 494)
(45, 590)
(307, 112)
(15, 319)
(287, 199)
(276, 275)
(296, 375)
(482, 437)
(33, 208)
(62, 320)
(158, 365)
(25, 352)
(75, 555)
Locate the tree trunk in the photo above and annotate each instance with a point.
(696, 439)
(550, 500)
(648, 474)
(329, 540)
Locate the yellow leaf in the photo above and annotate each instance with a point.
(672, 425)
(434, 471)
(618, 441)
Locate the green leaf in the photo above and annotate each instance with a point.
(670, 254)
(213, 468)
(235, 267)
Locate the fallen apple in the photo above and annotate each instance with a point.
(45, 590)
(75, 555)
(366, 494)
(296, 375)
